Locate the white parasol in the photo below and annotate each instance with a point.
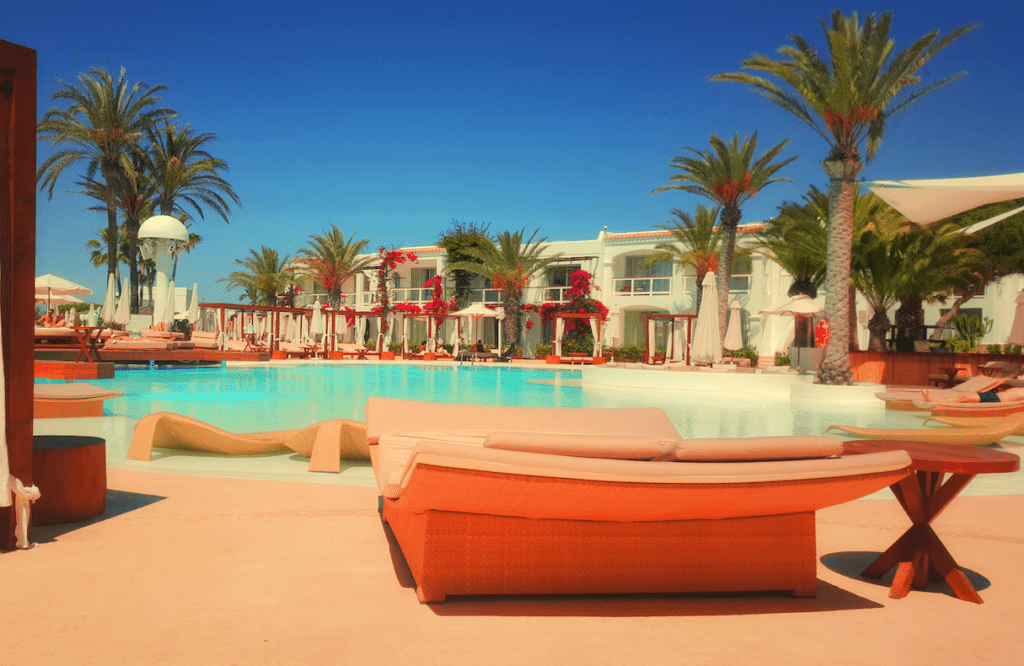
(50, 285)
(734, 334)
(122, 314)
(193, 306)
(109, 300)
(166, 314)
(799, 307)
(707, 346)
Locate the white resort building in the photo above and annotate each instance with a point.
(629, 290)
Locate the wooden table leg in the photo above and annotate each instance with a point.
(919, 555)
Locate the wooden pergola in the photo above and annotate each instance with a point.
(576, 315)
(673, 319)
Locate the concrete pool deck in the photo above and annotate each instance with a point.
(254, 560)
(200, 570)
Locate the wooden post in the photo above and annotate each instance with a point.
(17, 258)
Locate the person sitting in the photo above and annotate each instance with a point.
(1014, 394)
(51, 320)
(479, 347)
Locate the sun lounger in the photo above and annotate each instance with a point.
(479, 507)
(326, 444)
(981, 434)
(142, 344)
(205, 340)
(69, 400)
(970, 409)
(904, 398)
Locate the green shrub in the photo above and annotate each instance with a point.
(750, 352)
(395, 347)
(371, 344)
(961, 346)
(584, 346)
(971, 329)
(629, 354)
(994, 349)
(1011, 349)
(782, 359)
(542, 351)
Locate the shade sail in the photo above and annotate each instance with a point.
(926, 201)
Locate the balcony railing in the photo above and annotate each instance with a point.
(485, 296)
(643, 286)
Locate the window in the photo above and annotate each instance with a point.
(635, 268)
(421, 275)
(558, 276)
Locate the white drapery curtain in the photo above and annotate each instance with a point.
(559, 327)
(405, 334)
(679, 340)
(360, 329)
(595, 325)
(431, 334)
(652, 339)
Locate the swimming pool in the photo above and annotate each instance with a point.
(283, 397)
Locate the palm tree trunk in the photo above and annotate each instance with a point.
(512, 306)
(835, 363)
(940, 325)
(730, 220)
(112, 237)
(854, 337)
(133, 265)
(878, 326)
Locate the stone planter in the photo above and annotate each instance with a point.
(387, 356)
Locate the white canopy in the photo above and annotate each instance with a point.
(925, 201)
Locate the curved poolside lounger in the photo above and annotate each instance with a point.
(983, 434)
(907, 399)
(481, 504)
(325, 444)
(971, 409)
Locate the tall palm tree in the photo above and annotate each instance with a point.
(694, 242)
(876, 274)
(334, 260)
(729, 175)
(508, 262)
(103, 123)
(265, 274)
(133, 196)
(183, 171)
(845, 97)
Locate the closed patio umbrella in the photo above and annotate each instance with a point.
(707, 346)
(109, 301)
(122, 314)
(166, 315)
(193, 306)
(734, 334)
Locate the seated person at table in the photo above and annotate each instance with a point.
(1015, 394)
(479, 347)
(51, 320)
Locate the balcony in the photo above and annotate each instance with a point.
(485, 296)
(554, 294)
(647, 286)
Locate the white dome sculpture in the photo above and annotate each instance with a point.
(161, 238)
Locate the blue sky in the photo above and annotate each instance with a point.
(390, 119)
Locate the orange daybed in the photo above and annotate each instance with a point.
(483, 500)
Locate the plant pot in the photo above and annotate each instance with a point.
(387, 356)
(429, 356)
(553, 360)
(278, 354)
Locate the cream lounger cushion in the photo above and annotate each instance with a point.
(401, 455)
(641, 448)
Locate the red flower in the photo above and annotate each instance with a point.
(529, 324)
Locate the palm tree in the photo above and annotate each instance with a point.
(133, 196)
(98, 248)
(183, 170)
(876, 273)
(694, 242)
(103, 123)
(265, 274)
(845, 97)
(508, 263)
(728, 175)
(936, 263)
(193, 240)
(334, 260)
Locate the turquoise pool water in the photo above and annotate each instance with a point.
(283, 397)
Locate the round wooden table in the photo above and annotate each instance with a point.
(71, 474)
(919, 555)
